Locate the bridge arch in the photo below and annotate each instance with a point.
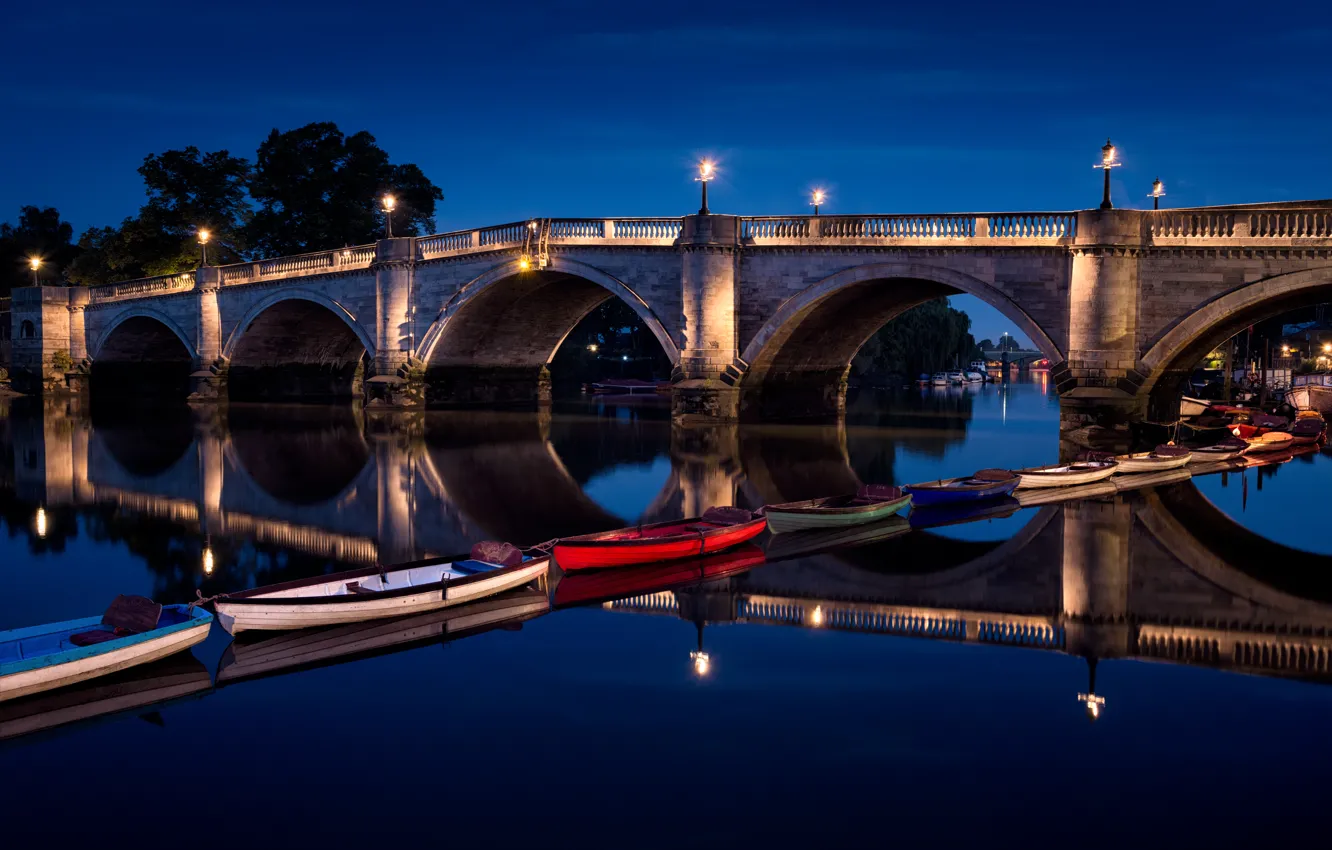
(142, 352)
(1172, 353)
(297, 344)
(493, 338)
(799, 359)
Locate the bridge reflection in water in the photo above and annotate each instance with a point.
(1156, 575)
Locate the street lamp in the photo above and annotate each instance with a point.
(1158, 192)
(204, 236)
(389, 203)
(34, 263)
(817, 198)
(707, 170)
(1107, 162)
(1327, 348)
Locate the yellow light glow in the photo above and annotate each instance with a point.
(41, 522)
(1108, 154)
(1327, 348)
(707, 169)
(702, 663)
(1285, 349)
(1158, 189)
(1094, 704)
(816, 616)
(204, 236)
(531, 225)
(34, 263)
(389, 203)
(208, 561)
(592, 348)
(818, 197)
(525, 263)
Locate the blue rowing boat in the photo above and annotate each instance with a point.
(983, 486)
(133, 631)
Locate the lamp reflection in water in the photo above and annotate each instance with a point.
(1095, 704)
(40, 522)
(816, 616)
(702, 663)
(207, 561)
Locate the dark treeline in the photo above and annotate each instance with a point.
(308, 189)
(929, 338)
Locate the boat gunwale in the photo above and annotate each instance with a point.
(817, 506)
(251, 597)
(195, 618)
(600, 539)
(949, 485)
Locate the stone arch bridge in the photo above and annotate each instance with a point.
(759, 315)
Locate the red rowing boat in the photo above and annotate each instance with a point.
(718, 529)
(585, 588)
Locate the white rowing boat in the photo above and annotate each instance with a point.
(1158, 460)
(378, 592)
(133, 631)
(1066, 475)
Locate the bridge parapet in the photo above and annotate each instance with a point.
(1019, 229)
(159, 285)
(1250, 227)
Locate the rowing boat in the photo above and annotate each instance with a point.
(1066, 474)
(1192, 406)
(133, 631)
(982, 486)
(1273, 441)
(1306, 432)
(377, 592)
(590, 587)
(252, 656)
(1227, 449)
(1158, 459)
(869, 504)
(717, 530)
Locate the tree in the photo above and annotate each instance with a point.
(39, 233)
(187, 191)
(927, 338)
(318, 189)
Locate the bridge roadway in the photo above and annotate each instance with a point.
(1159, 574)
(760, 316)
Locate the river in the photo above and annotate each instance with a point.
(1150, 668)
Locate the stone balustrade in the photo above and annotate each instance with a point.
(160, 285)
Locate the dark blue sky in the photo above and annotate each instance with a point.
(572, 109)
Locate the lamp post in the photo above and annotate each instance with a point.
(389, 203)
(1107, 162)
(34, 263)
(204, 236)
(1158, 192)
(816, 199)
(707, 169)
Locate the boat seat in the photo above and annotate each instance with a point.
(96, 636)
(873, 492)
(128, 615)
(355, 587)
(726, 515)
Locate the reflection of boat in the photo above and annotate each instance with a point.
(378, 592)
(717, 530)
(942, 515)
(800, 543)
(1227, 449)
(1157, 460)
(1273, 441)
(1066, 475)
(983, 485)
(133, 631)
(585, 588)
(869, 504)
(631, 386)
(140, 690)
(247, 657)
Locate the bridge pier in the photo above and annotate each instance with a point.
(709, 254)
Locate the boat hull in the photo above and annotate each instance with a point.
(933, 496)
(239, 615)
(1030, 479)
(1136, 465)
(781, 521)
(592, 587)
(1311, 397)
(595, 554)
(90, 662)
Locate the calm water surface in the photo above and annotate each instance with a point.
(924, 687)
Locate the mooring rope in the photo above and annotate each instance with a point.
(201, 600)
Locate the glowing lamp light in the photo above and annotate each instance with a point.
(389, 203)
(702, 663)
(816, 616)
(1095, 705)
(707, 170)
(525, 262)
(1108, 157)
(532, 226)
(818, 197)
(204, 236)
(34, 263)
(41, 522)
(208, 561)
(1327, 348)
(625, 358)
(592, 348)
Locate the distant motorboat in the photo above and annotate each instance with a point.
(956, 377)
(1311, 392)
(978, 366)
(939, 379)
(974, 377)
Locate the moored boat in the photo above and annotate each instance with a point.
(1189, 406)
(1227, 449)
(980, 486)
(1066, 474)
(253, 655)
(869, 504)
(718, 529)
(1158, 459)
(133, 631)
(939, 379)
(1311, 392)
(1273, 441)
(585, 588)
(1306, 432)
(377, 592)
